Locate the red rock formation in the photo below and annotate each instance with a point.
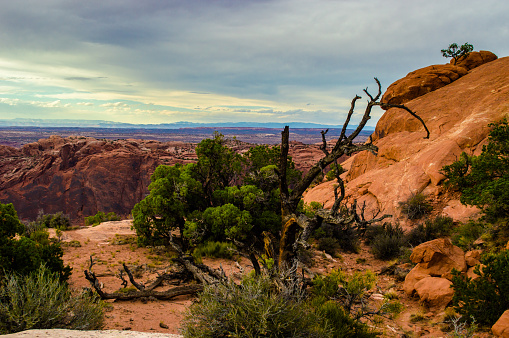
(428, 79)
(457, 115)
(81, 176)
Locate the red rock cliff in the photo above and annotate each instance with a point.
(457, 115)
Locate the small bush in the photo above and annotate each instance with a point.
(41, 301)
(56, 221)
(387, 247)
(101, 217)
(214, 250)
(467, 233)
(388, 240)
(440, 226)
(329, 245)
(487, 297)
(334, 168)
(416, 206)
(252, 309)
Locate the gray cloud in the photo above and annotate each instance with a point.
(289, 52)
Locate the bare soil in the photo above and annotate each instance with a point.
(112, 243)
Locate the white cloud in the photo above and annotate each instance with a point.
(10, 102)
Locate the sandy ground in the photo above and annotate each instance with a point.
(58, 333)
(112, 243)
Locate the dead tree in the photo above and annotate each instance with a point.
(295, 229)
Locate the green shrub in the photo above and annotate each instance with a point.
(329, 245)
(101, 217)
(40, 300)
(56, 221)
(214, 249)
(387, 247)
(23, 254)
(487, 297)
(252, 309)
(334, 168)
(416, 206)
(386, 240)
(457, 52)
(484, 180)
(438, 227)
(338, 322)
(467, 233)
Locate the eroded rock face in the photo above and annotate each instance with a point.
(457, 116)
(80, 176)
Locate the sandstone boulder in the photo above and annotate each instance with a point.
(472, 258)
(475, 59)
(428, 79)
(412, 278)
(434, 291)
(501, 327)
(422, 81)
(439, 257)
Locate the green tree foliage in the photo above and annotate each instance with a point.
(222, 197)
(457, 52)
(484, 180)
(25, 254)
(486, 297)
(39, 300)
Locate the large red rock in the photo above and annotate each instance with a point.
(474, 59)
(439, 257)
(428, 79)
(434, 291)
(457, 116)
(501, 327)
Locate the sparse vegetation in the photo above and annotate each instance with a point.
(39, 300)
(457, 52)
(484, 180)
(416, 206)
(440, 226)
(388, 243)
(214, 249)
(101, 217)
(256, 309)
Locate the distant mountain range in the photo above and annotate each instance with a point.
(22, 122)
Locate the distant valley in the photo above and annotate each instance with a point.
(16, 136)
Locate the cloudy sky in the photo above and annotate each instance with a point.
(163, 61)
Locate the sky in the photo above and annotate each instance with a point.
(164, 61)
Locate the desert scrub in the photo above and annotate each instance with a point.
(438, 227)
(41, 301)
(388, 242)
(214, 250)
(465, 235)
(252, 309)
(101, 217)
(416, 206)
